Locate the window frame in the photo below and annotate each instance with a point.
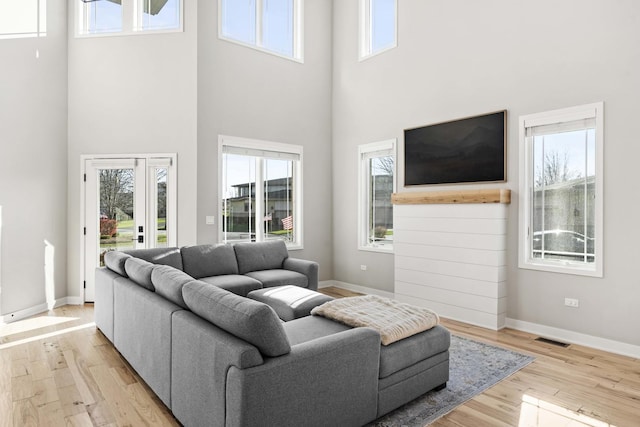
(41, 24)
(366, 31)
(298, 32)
(556, 117)
(365, 151)
(261, 145)
(131, 21)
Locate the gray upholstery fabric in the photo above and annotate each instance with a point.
(290, 302)
(330, 381)
(254, 256)
(202, 354)
(412, 350)
(413, 370)
(397, 395)
(278, 277)
(139, 271)
(306, 267)
(239, 285)
(209, 260)
(114, 261)
(169, 281)
(142, 331)
(310, 328)
(163, 256)
(249, 320)
(103, 307)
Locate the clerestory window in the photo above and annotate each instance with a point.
(378, 26)
(23, 18)
(273, 26)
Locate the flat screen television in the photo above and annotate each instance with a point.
(459, 151)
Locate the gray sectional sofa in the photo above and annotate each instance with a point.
(216, 358)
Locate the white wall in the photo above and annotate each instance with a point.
(33, 174)
(247, 93)
(133, 94)
(460, 58)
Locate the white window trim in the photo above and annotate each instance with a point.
(260, 145)
(365, 40)
(595, 110)
(298, 32)
(389, 146)
(131, 21)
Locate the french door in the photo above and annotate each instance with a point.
(129, 203)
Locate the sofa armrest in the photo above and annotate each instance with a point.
(306, 267)
(331, 380)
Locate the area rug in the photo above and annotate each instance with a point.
(473, 368)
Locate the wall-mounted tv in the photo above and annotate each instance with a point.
(459, 151)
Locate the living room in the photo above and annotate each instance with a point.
(65, 96)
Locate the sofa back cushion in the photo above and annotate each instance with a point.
(255, 256)
(169, 281)
(209, 260)
(114, 261)
(139, 271)
(162, 256)
(247, 319)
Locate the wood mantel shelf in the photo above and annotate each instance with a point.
(458, 196)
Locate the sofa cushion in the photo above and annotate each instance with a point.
(114, 261)
(169, 281)
(162, 256)
(409, 351)
(139, 271)
(277, 277)
(209, 260)
(249, 320)
(253, 256)
(239, 285)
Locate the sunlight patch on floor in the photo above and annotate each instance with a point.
(47, 335)
(31, 324)
(538, 413)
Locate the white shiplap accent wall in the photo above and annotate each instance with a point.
(451, 258)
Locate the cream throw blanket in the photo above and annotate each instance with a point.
(392, 319)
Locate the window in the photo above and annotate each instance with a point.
(561, 185)
(261, 191)
(122, 17)
(376, 185)
(23, 18)
(273, 26)
(378, 26)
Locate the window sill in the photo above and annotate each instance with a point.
(380, 249)
(563, 268)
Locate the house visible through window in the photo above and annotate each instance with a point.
(23, 18)
(261, 184)
(561, 223)
(118, 17)
(378, 26)
(273, 26)
(376, 185)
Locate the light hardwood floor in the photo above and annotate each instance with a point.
(58, 370)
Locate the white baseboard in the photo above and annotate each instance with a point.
(558, 334)
(38, 309)
(23, 314)
(575, 338)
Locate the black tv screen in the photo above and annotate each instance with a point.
(459, 151)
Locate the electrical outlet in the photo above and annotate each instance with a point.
(363, 267)
(210, 220)
(571, 302)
